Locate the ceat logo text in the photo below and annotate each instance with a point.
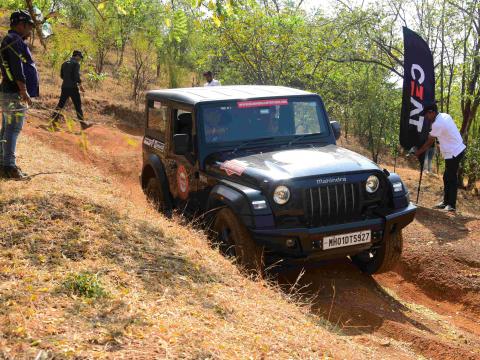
(416, 96)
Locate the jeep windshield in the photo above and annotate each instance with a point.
(242, 123)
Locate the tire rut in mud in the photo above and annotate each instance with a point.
(356, 305)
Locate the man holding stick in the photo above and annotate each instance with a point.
(452, 149)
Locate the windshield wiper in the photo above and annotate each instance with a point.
(248, 142)
(298, 138)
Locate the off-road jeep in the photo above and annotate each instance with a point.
(263, 162)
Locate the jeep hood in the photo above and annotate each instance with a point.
(288, 164)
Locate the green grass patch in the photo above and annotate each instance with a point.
(84, 284)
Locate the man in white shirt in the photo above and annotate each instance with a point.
(452, 149)
(210, 80)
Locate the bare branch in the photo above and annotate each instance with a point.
(298, 5)
(367, 61)
(345, 5)
(275, 2)
(96, 9)
(388, 50)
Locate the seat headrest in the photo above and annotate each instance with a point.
(185, 118)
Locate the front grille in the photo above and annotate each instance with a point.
(333, 204)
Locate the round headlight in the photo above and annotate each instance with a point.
(281, 195)
(372, 184)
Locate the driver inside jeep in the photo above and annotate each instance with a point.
(216, 125)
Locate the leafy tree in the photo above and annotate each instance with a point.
(171, 49)
(143, 64)
(253, 47)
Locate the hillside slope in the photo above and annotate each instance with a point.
(162, 291)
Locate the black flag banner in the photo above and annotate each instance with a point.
(418, 90)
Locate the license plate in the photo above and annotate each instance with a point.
(341, 240)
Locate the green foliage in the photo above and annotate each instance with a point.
(76, 12)
(374, 109)
(56, 57)
(472, 158)
(85, 284)
(178, 28)
(143, 64)
(94, 79)
(62, 44)
(174, 46)
(12, 4)
(472, 161)
(254, 47)
(348, 55)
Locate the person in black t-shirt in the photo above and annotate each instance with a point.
(71, 87)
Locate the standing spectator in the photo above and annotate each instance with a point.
(71, 87)
(210, 80)
(452, 149)
(19, 85)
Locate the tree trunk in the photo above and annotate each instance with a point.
(158, 66)
(122, 52)
(36, 23)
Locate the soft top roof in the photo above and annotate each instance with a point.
(223, 93)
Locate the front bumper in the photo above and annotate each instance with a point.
(308, 241)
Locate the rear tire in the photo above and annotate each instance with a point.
(383, 259)
(156, 196)
(235, 240)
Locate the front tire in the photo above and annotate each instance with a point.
(157, 197)
(382, 259)
(235, 240)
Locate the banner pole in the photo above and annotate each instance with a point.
(420, 181)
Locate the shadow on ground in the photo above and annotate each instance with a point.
(351, 302)
(446, 228)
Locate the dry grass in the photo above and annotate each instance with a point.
(167, 293)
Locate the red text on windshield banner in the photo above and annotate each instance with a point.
(261, 103)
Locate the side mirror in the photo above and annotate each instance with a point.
(337, 130)
(181, 144)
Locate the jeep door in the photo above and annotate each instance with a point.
(183, 169)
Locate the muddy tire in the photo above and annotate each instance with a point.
(383, 259)
(235, 240)
(156, 196)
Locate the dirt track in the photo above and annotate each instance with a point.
(429, 306)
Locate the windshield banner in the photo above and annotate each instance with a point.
(261, 103)
(418, 90)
